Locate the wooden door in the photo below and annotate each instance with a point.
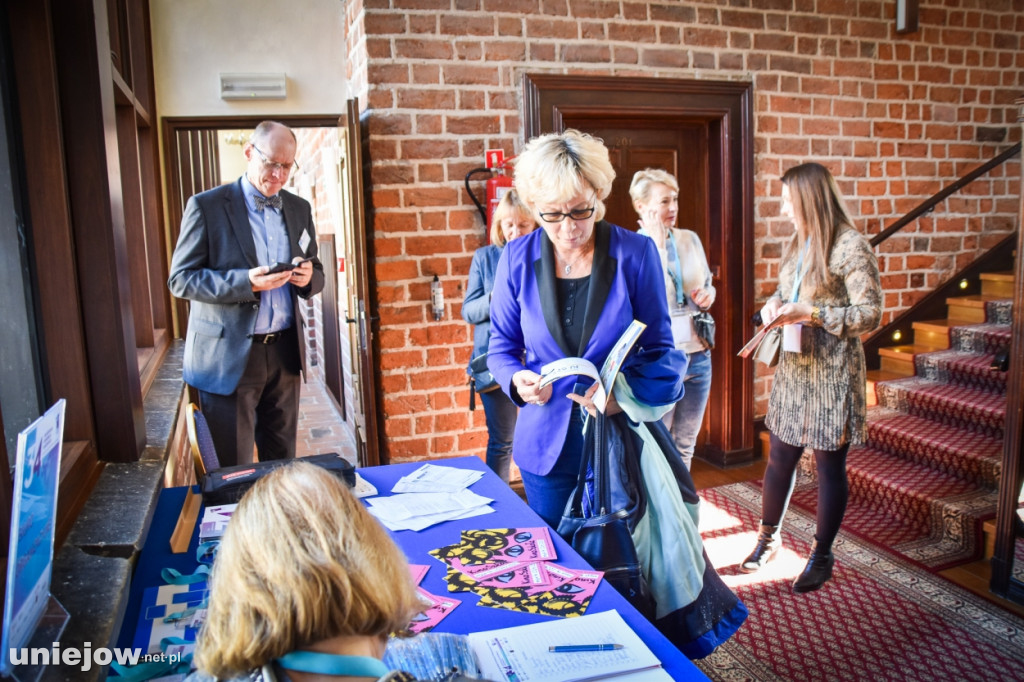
(701, 132)
(190, 167)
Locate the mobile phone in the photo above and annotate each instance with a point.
(280, 267)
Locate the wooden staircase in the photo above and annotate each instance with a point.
(932, 335)
(901, 360)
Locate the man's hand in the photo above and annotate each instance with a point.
(302, 273)
(261, 281)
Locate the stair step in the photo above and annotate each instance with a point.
(926, 503)
(967, 455)
(997, 284)
(987, 337)
(963, 368)
(934, 334)
(970, 308)
(962, 406)
(900, 359)
(873, 377)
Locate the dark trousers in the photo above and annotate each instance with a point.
(264, 409)
(548, 494)
(501, 415)
(833, 488)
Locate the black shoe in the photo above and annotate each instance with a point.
(768, 544)
(817, 571)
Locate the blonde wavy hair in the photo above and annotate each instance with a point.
(645, 180)
(556, 167)
(509, 206)
(820, 214)
(302, 561)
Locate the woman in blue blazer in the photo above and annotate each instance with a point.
(570, 290)
(511, 219)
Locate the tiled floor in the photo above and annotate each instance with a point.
(321, 428)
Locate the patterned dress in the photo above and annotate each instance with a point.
(819, 398)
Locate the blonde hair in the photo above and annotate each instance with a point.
(555, 168)
(645, 180)
(302, 561)
(508, 207)
(820, 214)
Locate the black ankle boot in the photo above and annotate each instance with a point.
(817, 571)
(768, 544)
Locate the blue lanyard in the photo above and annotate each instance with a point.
(800, 271)
(677, 273)
(333, 664)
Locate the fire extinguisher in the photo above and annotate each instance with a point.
(499, 183)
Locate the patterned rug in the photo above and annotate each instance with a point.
(879, 618)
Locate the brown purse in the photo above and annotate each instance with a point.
(768, 349)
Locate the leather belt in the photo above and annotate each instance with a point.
(269, 339)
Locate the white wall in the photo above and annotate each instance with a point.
(194, 41)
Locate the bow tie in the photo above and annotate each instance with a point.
(262, 202)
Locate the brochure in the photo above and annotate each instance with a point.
(583, 367)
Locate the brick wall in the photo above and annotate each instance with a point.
(895, 117)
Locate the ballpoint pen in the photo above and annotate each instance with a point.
(584, 647)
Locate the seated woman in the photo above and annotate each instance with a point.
(306, 586)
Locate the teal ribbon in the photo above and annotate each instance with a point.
(148, 671)
(333, 664)
(175, 577)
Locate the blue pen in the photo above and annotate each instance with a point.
(584, 647)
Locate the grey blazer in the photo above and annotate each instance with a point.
(210, 268)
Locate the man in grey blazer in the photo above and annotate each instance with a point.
(245, 349)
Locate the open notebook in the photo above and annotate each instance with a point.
(522, 653)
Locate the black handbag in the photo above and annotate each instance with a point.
(608, 501)
(704, 326)
(483, 380)
(227, 484)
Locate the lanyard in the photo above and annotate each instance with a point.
(673, 258)
(677, 273)
(800, 271)
(333, 664)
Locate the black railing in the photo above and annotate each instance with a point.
(929, 204)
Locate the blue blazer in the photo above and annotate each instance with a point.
(210, 268)
(626, 283)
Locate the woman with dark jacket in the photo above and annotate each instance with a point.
(511, 219)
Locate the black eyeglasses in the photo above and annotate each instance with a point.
(574, 214)
(273, 165)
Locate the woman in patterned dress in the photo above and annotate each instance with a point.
(828, 296)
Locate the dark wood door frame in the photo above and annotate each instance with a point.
(550, 101)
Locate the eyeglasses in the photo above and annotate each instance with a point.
(574, 214)
(273, 165)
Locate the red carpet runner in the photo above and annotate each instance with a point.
(928, 476)
(879, 618)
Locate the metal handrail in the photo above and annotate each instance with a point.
(929, 204)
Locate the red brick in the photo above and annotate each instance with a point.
(472, 125)
(464, 74)
(421, 98)
(429, 196)
(390, 360)
(395, 271)
(433, 244)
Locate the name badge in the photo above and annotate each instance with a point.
(682, 327)
(791, 338)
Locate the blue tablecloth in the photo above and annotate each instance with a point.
(510, 511)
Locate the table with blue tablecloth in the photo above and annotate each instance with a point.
(509, 512)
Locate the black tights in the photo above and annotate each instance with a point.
(833, 490)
